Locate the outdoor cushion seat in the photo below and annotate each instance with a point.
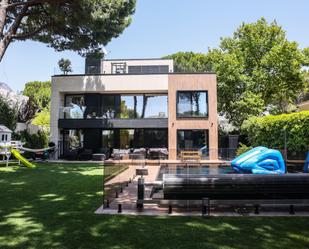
(98, 157)
(85, 155)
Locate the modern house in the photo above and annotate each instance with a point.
(134, 104)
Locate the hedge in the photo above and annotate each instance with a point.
(269, 131)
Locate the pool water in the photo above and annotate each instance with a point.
(194, 169)
(208, 170)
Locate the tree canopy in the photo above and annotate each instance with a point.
(78, 25)
(190, 62)
(65, 65)
(39, 93)
(8, 115)
(257, 69)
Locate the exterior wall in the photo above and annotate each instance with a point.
(157, 83)
(178, 82)
(107, 64)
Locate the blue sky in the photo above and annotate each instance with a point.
(162, 27)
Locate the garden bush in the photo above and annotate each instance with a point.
(33, 141)
(269, 131)
(242, 148)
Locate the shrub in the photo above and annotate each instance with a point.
(269, 131)
(242, 149)
(33, 141)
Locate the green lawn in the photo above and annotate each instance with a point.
(53, 206)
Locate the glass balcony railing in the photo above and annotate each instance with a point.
(83, 112)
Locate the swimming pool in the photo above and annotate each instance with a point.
(207, 170)
(194, 169)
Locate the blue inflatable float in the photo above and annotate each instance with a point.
(260, 160)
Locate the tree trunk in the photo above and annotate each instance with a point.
(135, 107)
(3, 8)
(4, 43)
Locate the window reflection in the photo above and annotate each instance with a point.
(144, 106)
(192, 104)
(74, 139)
(74, 107)
(193, 140)
(107, 138)
(142, 138)
(110, 106)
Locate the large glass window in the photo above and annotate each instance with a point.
(192, 104)
(108, 139)
(73, 139)
(126, 138)
(110, 105)
(74, 107)
(142, 138)
(125, 106)
(155, 138)
(195, 140)
(143, 106)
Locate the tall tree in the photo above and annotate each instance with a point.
(39, 93)
(257, 63)
(8, 114)
(257, 68)
(190, 62)
(65, 65)
(78, 25)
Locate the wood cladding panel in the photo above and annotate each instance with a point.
(193, 82)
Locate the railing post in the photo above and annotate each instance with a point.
(119, 209)
(257, 209)
(292, 211)
(170, 209)
(205, 207)
(140, 192)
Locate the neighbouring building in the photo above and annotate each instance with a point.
(135, 103)
(303, 105)
(5, 134)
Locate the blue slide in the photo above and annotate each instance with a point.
(260, 160)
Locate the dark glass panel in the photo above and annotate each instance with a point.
(73, 139)
(148, 69)
(156, 138)
(108, 139)
(193, 140)
(110, 105)
(74, 107)
(192, 104)
(93, 106)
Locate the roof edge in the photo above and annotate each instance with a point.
(127, 74)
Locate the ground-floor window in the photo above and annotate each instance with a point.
(193, 140)
(141, 138)
(98, 139)
(73, 139)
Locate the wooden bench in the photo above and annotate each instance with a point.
(187, 155)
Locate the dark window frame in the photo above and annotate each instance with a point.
(178, 116)
(207, 134)
(119, 66)
(148, 69)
